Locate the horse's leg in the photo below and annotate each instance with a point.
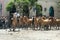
(46, 27)
(30, 26)
(33, 26)
(27, 26)
(49, 27)
(18, 27)
(57, 27)
(43, 27)
(22, 26)
(39, 27)
(14, 28)
(10, 27)
(36, 27)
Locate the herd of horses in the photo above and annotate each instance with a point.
(35, 22)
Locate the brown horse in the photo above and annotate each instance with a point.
(36, 22)
(58, 23)
(25, 21)
(52, 22)
(14, 23)
(44, 22)
(21, 21)
(30, 22)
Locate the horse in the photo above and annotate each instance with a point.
(14, 22)
(52, 22)
(30, 22)
(21, 21)
(36, 22)
(43, 22)
(58, 23)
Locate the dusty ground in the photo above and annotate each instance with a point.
(29, 35)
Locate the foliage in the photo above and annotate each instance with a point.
(11, 7)
(38, 10)
(32, 2)
(24, 6)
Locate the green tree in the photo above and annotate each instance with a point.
(38, 10)
(11, 7)
(23, 6)
(32, 2)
